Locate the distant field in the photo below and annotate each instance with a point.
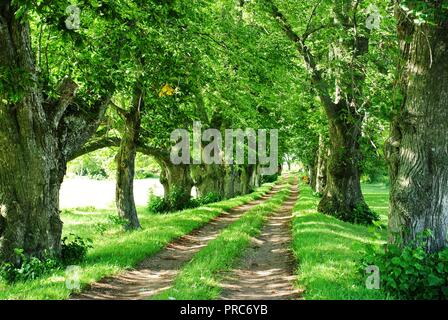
(85, 192)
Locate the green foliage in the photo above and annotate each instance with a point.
(100, 227)
(317, 194)
(100, 165)
(361, 214)
(74, 250)
(27, 268)
(145, 174)
(176, 200)
(210, 197)
(158, 204)
(270, 178)
(425, 12)
(116, 220)
(410, 272)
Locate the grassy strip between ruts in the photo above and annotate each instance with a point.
(328, 250)
(199, 279)
(116, 250)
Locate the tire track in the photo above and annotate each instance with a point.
(157, 273)
(267, 270)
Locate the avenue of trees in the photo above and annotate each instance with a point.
(351, 102)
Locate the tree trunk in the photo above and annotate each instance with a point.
(124, 193)
(342, 194)
(210, 178)
(321, 169)
(241, 181)
(174, 177)
(36, 138)
(255, 177)
(246, 179)
(231, 181)
(418, 147)
(313, 174)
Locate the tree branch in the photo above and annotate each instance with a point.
(79, 125)
(120, 110)
(152, 151)
(316, 76)
(105, 142)
(67, 92)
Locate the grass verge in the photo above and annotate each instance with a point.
(200, 278)
(328, 250)
(115, 250)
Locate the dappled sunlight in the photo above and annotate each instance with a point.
(328, 251)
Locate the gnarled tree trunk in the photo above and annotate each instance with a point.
(342, 194)
(36, 138)
(210, 178)
(418, 147)
(174, 177)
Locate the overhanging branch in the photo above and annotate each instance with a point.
(316, 76)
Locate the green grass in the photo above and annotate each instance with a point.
(200, 278)
(116, 250)
(377, 197)
(328, 250)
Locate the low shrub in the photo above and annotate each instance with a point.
(361, 214)
(269, 179)
(100, 227)
(177, 200)
(27, 268)
(74, 249)
(116, 220)
(410, 272)
(158, 204)
(306, 179)
(210, 197)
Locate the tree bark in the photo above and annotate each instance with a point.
(210, 178)
(342, 194)
(418, 147)
(239, 181)
(174, 177)
(313, 175)
(246, 179)
(321, 170)
(124, 193)
(232, 183)
(36, 138)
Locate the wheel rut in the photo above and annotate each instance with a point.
(266, 272)
(156, 273)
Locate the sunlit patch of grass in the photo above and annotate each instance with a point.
(328, 250)
(200, 278)
(377, 197)
(115, 250)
